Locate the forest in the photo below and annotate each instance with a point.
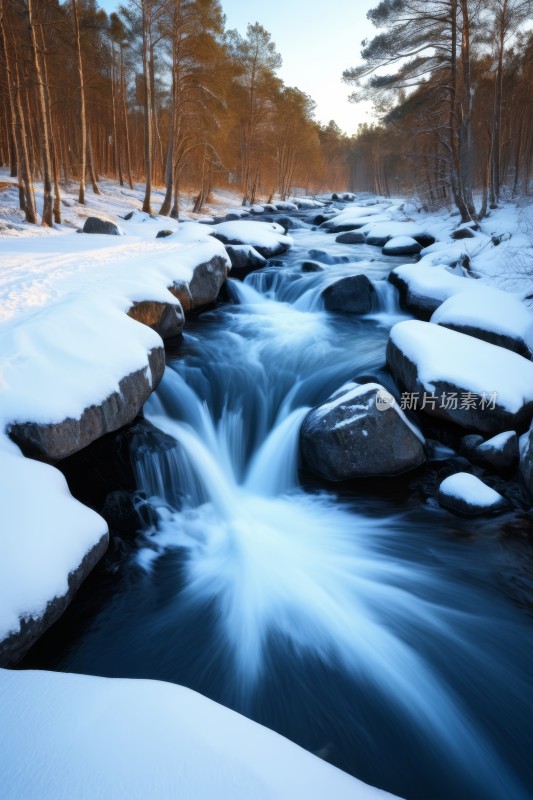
(159, 93)
(451, 82)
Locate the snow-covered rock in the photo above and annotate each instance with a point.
(489, 314)
(354, 294)
(474, 384)
(424, 288)
(380, 232)
(203, 287)
(167, 319)
(74, 736)
(244, 259)
(97, 225)
(53, 441)
(360, 431)
(350, 237)
(466, 494)
(500, 453)
(268, 238)
(286, 205)
(48, 542)
(401, 246)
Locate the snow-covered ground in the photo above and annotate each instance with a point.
(74, 737)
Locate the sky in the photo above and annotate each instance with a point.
(316, 43)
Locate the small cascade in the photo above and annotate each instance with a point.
(387, 299)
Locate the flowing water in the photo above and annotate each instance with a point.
(371, 628)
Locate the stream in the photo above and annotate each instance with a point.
(367, 625)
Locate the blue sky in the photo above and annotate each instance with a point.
(317, 42)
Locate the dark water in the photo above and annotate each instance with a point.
(367, 625)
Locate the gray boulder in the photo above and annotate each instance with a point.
(203, 288)
(359, 432)
(354, 294)
(499, 453)
(312, 266)
(97, 225)
(351, 237)
(55, 441)
(244, 259)
(466, 494)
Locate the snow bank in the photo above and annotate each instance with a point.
(442, 355)
(477, 385)
(423, 288)
(84, 737)
(45, 536)
(491, 314)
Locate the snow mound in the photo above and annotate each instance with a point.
(490, 314)
(466, 493)
(493, 386)
(73, 736)
(424, 288)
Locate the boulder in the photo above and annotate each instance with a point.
(466, 494)
(204, 286)
(354, 294)
(163, 234)
(312, 266)
(499, 453)
(401, 246)
(55, 441)
(423, 289)
(327, 258)
(489, 314)
(351, 237)
(341, 227)
(268, 238)
(97, 225)
(167, 319)
(244, 259)
(471, 383)
(359, 432)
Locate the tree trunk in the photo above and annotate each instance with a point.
(125, 117)
(90, 163)
(147, 207)
(47, 217)
(83, 125)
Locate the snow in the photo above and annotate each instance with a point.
(489, 309)
(436, 283)
(401, 241)
(443, 355)
(258, 234)
(86, 737)
(45, 536)
(470, 489)
(497, 442)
